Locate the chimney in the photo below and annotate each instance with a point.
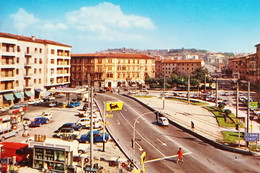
(33, 38)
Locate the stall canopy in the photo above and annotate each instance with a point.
(9, 96)
(19, 95)
(38, 90)
(28, 93)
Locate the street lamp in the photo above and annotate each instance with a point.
(133, 140)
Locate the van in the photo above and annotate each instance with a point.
(163, 121)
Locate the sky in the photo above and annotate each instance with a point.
(93, 25)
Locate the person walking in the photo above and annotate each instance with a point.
(180, 156)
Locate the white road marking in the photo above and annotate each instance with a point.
(140, 148)
(161, 142)
(118, 122)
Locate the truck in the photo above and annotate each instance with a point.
(14, 152)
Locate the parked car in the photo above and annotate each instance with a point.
(70, 106)
(66, 132)
(7, 133)
(17, 108)
(2, 109)
(75, 103)
(257, 111)
(38, 121)
(53, 104)
(49, 98)
(98, 137)
(32, 102)
(47, 115)
(70, 125)
(85, 123)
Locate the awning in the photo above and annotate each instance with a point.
(9, 96)
(38, 90)
(48, 93)
(28, 93)
(19, 95)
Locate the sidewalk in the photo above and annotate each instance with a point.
(183, 113)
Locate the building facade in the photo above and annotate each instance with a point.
(30, 66)
(111, 70)
(247, 67)
(181, 67)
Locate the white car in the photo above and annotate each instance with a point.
(32, 102)
(2, 109)
(47, 115)
(163, 121)
(85, 122)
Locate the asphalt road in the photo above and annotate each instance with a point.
(160, 141)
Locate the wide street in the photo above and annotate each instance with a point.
(160, 141)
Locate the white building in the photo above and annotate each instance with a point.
(29, 67)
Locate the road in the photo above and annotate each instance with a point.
(160, 141)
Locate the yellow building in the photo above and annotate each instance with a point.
(111, 70)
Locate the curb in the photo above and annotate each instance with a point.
(213, 143)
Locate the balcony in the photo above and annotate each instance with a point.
(7, 78)
(8, 65)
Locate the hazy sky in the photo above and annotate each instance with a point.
(94, 25)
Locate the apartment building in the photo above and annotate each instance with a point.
(111, 70)
(29, 67)
(247, 67)
(182, 67)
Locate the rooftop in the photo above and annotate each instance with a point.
(31, 39)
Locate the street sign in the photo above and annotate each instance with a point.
(253, 105)
(252, 137)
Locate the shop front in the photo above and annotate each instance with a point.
(51, 154)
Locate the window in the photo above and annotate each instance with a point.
(28, 50)
(35, 60)
(18, 49)
(40, 61)
(35, 71)
(17, 71)
(110, 60)
(34, 81)
(99, 60)
(52, 51)
(40, 71)
(40, 81)
(52, 61)
(17, 60)
(35, 50)
(40, 50)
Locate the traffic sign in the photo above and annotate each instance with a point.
(252, 137)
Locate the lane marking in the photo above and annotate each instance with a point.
(167, 157)
(161, 142)
(140, 147)
(118, 122)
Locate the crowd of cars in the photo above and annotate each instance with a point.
(72, 131)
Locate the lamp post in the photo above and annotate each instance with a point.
(133, 140)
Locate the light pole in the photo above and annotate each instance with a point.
(163, 91)
(133, 140)
(248, 111)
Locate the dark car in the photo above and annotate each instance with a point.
(70, 106)
(98, 137)
(37, 122)
(70, 125)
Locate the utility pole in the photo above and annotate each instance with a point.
(248, 111)
(89, 83)
(237, 105)
(188, 89)
(91, 130)
(217, 92)
(163, 90)
(205, 87)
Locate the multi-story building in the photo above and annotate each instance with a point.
(111, 69)
(247, 67)
(30, 66)
(182, 67)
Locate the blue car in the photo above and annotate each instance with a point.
(37, 122)
(98, 137)
(75, 103)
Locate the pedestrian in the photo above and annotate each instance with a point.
(192, 125)
(180, 156)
